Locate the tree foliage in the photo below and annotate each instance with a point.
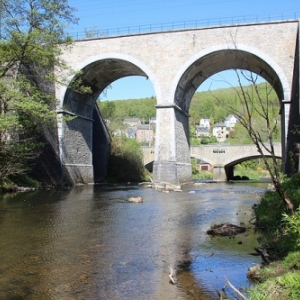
(126, 160)
(30, 33)
(131, 108)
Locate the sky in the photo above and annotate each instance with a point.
(107, 16)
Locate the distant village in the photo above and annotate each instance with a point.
(219, 130)
(144, 133)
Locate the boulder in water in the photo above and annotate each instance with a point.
(225, 229)
(135, 199)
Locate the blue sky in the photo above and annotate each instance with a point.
(112, 14)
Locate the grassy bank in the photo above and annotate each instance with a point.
(281, 239)
(251, 174)
(279, 280)
(15, 183)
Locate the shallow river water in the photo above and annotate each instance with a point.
(91, 243)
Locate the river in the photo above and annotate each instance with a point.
(89, 242)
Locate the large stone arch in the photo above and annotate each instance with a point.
(224, 57)
(143, 70)
(84, 140)
(216, 59)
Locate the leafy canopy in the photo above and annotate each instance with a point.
(30, 33)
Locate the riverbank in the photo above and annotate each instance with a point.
(20, 183)
(279, 279)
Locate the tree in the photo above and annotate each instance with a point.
(108, 109)
(126, 160)
(32, 34)
(256, 108)
(207, 108)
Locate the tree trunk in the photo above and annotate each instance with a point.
(289, 204)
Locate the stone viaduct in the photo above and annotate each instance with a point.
(177, 63)
(222, 157)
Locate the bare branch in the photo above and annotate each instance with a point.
(235, 289)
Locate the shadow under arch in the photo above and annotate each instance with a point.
(229, 168)
(84, 140)
(149, 166)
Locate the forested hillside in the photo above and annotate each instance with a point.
(204, 105)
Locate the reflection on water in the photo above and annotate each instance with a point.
(90, 243)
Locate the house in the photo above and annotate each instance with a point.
(204, 166)
(117, 132)
(220, 132)
(205, 123)
(132, 122)
(131, 132)
(230, 121)
(202, 131)
(152, 121)
(145, 134)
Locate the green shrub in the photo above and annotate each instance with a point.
(204, 140)
(280, 229)
(284, 287)
(292, 229)
(126, 161)
(203, 175)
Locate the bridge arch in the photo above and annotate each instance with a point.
(210, 61)
(222, 57)
(84, 141)
(229, 168)
(112, 61)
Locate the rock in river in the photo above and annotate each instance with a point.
(225, 229)
(135, 199)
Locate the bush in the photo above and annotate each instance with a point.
(281, 230)
(292, 229)
(126, 161)
(204, 141)
(195, 141)
(282, 287)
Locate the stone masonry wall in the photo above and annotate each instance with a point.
(164, 57)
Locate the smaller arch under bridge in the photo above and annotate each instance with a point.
(221, 157)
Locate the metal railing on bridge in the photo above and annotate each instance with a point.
(172, 26)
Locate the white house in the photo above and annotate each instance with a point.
(230, 121)
(220, 132)
(205, 123)
(152, 121)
